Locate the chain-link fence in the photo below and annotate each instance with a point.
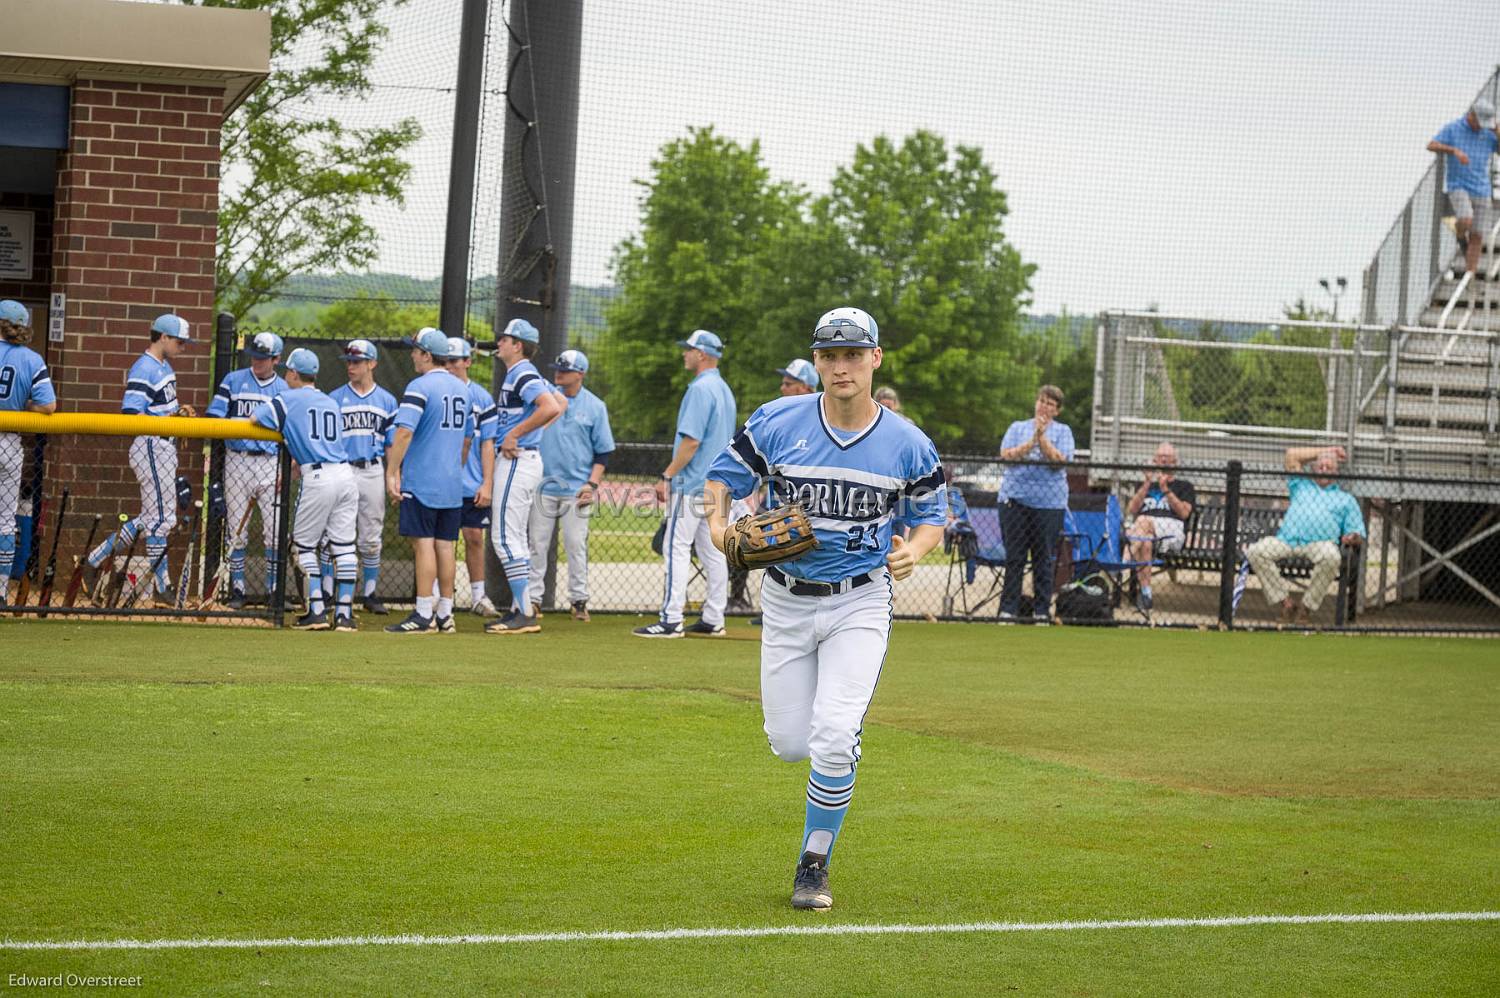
(111, 525)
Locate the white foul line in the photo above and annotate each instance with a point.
(657, 935)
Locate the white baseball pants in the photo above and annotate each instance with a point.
(687, 532)
(546, 511)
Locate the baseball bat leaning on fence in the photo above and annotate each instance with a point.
(75, 582)
(99, 584)
(222, 575)
(117, 579)
(185, 577)
(146, 582)
(49, 574)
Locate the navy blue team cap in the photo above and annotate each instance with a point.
(432, 340)
(846, 327)
(522, 330)
(263, 345)
(303, 361)
(703, 340)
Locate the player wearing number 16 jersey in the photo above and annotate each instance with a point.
(857, 470)
(310, 424)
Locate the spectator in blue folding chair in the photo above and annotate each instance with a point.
(1160, 507)
(1033, 502)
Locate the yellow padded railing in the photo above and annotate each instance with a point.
(110, 424)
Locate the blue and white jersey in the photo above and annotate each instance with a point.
(237, 397)
(23, 378)
(367, 420)
(854, 486)
(707, 414)
(150, 388)
(309, 423)
(485, 418)
(573, 442)
(517, 401)
(435, 407)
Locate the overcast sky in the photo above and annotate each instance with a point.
(1209, 158)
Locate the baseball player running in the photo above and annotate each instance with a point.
(151, 390)
(575, 450)
(249, 465)
(479, 475)
(311, 426)
(368, 412)
(526, 404)
(421, 474)
(856, 470)
(25, 386)
(705, 424)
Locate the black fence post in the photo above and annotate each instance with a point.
(284, 563)
(226, 340)
(1229, 562)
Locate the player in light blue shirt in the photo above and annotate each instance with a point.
(855, 469)
(250, 466)
(706, 419)
(424, 475)
(310, 425)
(575, 451)
(151, 390)
(369, 417)
(25, 386)
(1468, 143)
(479, 474)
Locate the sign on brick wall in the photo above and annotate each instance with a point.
(16, 245)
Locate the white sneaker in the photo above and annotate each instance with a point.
(484, 608)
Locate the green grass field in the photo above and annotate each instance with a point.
(171, 782)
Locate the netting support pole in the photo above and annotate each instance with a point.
(226, 340)
(284, 563)
(1229, 561)
(466, 106)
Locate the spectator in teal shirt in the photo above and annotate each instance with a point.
(1321, 516)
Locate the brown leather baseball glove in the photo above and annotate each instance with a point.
(768, 537)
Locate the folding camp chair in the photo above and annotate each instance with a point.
(973, 541)
(1095, 528)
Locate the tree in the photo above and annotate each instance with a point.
(300, 182)
(709, 210)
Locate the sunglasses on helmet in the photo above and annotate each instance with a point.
(842, 329)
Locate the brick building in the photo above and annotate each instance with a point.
(110, 118)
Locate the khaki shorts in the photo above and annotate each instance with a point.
(1466, 205)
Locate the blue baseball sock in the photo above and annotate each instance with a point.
(371, 572)
(237, 570)
(7, 559)
(518, 574)
(122, 540)
(827, 802)
(327, 568)
(156, 545)
(270, 572)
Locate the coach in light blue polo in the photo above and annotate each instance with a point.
(706, 421)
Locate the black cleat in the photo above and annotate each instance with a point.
(660, 629)
(310, 621)
(236, 600)
(704, 629)
(516, 623)
(445, 625)
(373, 605)
(810, 886)
(415, 623)
(345, 622)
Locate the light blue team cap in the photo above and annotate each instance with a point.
(522, 330)
(571, 360)
(263, 345)
(14, 313)
(174, 326)
(802, 370)
(434, 341)
(846, 327)
(459, 347)
(303, 361)
(703, 340)
(360, 350)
